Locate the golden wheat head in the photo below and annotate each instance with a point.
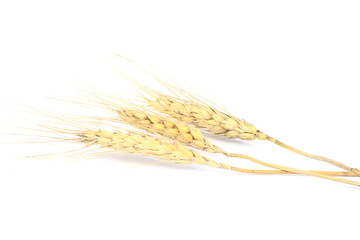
(135, 143)
(204, 117)
(167, 127)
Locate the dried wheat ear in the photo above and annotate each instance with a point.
(197, 111)
(131, 142)
(120, 141)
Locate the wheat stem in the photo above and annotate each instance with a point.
(312, 156)
(265, 172)
(298, 171)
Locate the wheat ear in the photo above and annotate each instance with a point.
(136, 143)
(143, 144)
(99, 136)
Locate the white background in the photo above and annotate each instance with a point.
(289, 67)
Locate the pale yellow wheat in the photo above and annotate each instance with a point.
(201, 113)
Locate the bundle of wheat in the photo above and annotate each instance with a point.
(172, 123)
(199, 112)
